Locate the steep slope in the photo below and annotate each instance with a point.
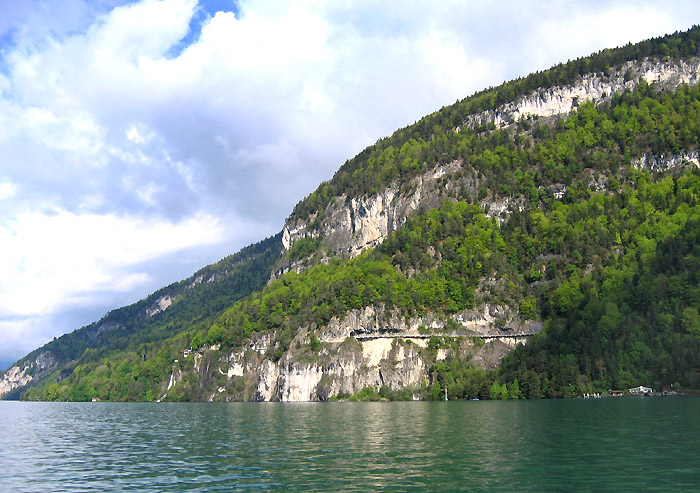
(560, 209)
(632, 317)
(180, 307)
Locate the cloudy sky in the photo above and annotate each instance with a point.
(140, 141)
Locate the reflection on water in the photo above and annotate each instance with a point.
(534, 445)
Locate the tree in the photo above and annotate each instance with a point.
(690, 320)
(499, 391)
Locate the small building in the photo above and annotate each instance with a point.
(641, 390)
(617, 393)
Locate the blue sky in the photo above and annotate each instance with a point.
(140, 141)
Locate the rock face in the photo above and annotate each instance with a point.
(593, 87)
(352, 224)
(18, 377)
(663, 163)
(367, 348)
(14, 378)
(160, 305)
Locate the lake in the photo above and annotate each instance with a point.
(617, 444)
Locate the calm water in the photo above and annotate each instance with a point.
(605, 444)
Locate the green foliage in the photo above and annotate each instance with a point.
(314, 343)
(196, 342)
(128, 355)
(462, 379)
(449, 250)
(690, 320)
(499, 392)
(634, 318)
(403, 394)
(304, 248)
(215, 334)
(528, 308)
(366, 394)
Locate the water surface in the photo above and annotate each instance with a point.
(603, 444)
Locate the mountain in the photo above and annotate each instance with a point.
(537, 239)
(150, 327)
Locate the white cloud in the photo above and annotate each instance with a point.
(51, 259)
(118, 150)
(140, 134)
(6, 190)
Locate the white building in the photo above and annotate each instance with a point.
(641, 390)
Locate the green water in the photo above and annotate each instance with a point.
(563, 445)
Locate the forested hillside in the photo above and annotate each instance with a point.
(586, 221)
(611, 266)
(149, 332)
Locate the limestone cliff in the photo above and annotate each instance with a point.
(367, 348)
(666, 162)
(352, 224)
(596, 87)
(19, 375)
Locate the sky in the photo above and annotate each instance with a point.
(143, 140)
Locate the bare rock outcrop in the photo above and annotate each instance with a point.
(371, 347)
